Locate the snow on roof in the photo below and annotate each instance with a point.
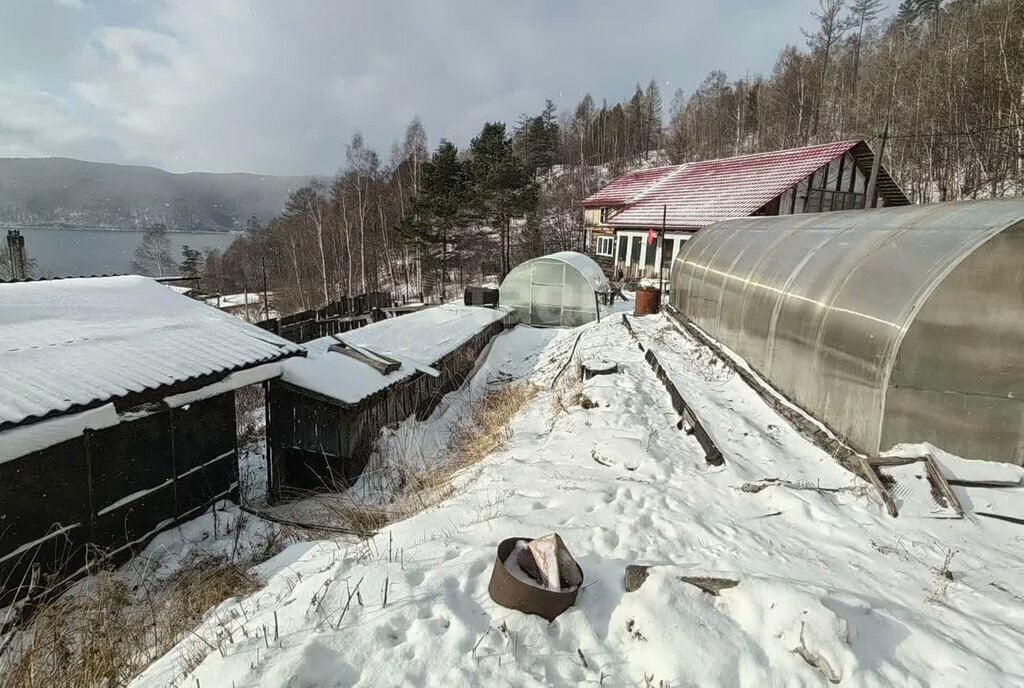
(702, 193)
(71, 344)
(417, 341)
(698, 194)
(626, 186)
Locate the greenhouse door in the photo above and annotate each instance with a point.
(547, 279)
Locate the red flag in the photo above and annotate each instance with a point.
(650, 237)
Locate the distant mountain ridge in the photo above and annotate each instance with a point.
(75, 193)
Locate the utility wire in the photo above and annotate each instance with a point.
(955, 133)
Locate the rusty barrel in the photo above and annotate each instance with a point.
(510, 592)
(647, 301)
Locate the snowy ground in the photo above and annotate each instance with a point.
(831, 588)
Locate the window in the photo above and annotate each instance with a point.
(604, 215)
(634, 250)
(605, 246)
(652, 252)
(622, 248)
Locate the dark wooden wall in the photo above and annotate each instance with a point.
(105, 494)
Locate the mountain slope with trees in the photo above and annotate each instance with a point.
(62, 191)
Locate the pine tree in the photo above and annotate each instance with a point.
(652, 119)
(503, 186)
(440, 211)
(907, 11)
(191, 262)
(636, 116)
(862, 13)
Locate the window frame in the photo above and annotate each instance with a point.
(608, 243)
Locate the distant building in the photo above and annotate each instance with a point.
(249, 306)
(623, 220)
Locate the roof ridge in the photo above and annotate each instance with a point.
(852, 143)
(657, 182)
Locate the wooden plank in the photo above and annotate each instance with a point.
(940, 482)
(868, 472)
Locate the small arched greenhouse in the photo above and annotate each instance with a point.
(558, 290)
(892, 325)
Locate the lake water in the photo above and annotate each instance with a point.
(71, 252)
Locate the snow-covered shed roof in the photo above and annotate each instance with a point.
(71, 344)
(417, 341)
(697, 194)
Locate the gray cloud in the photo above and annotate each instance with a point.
(277, 87)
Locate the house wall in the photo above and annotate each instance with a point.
(105, 494)
(632, 254)
(592, 217)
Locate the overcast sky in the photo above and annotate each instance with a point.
(280, 86)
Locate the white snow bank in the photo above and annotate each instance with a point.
(26, 439)
(826, 578)
(416, 340)
(233, 381)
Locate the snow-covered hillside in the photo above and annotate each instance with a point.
(830, 587)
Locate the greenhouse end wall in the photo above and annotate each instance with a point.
(560, 290)
(881, 323)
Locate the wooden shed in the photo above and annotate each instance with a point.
(327, 409)
(117, 419)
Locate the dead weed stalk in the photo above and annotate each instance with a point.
(108, 633)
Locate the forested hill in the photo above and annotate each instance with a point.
(62, 191)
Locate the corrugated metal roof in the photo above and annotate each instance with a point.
(698, 194)
(702, 193)
(74, 343)
(624, 187)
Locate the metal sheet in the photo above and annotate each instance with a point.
(820, 304)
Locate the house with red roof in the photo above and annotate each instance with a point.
(624, 219)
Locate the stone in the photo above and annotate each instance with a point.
(635, 576)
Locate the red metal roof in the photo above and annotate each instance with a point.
(698, 194)
(627, 186)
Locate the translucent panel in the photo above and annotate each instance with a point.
(801, 196)
(824, 306)
(556, 290)
(848, 166)
(786, 203)
(548, 272)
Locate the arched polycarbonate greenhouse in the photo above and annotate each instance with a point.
(893, 325)
(557, 290)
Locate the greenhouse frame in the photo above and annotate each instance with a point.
(892, 325)
(558, 290)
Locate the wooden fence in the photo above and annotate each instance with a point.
(349, 313)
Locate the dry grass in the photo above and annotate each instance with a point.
(249, 409)
(413, 484)
(566, 391)
(107, 634)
